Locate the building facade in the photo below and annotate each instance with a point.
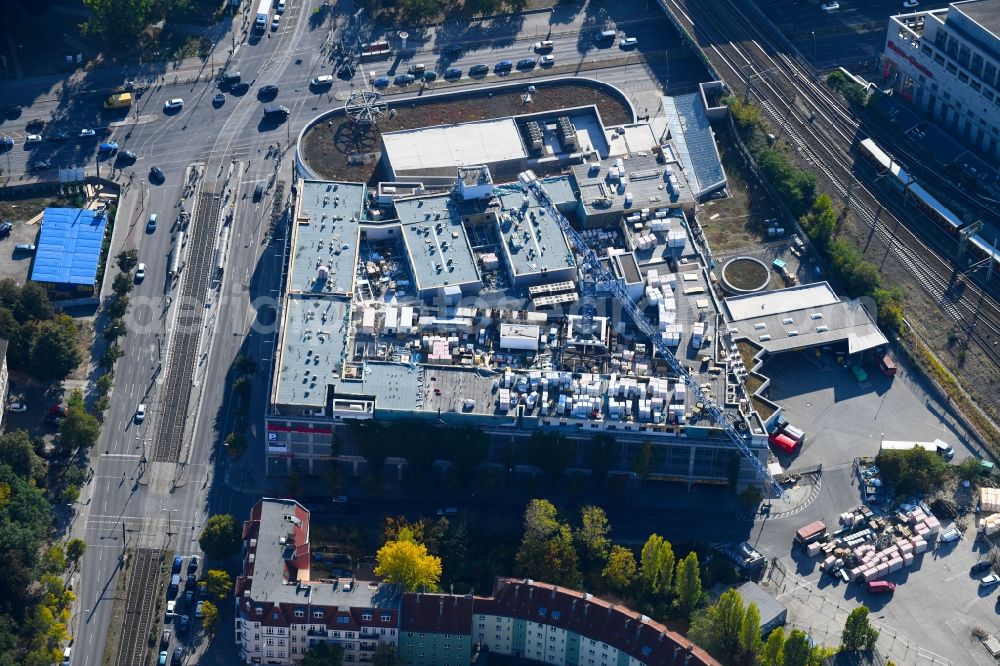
(540, 622)
(947, 63)
(281, 613)
(3, 377)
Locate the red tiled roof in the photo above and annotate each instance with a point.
(436, 613)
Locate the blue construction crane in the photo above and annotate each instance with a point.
(593, 276)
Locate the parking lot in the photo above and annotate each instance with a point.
(929, 617)
(16, 264)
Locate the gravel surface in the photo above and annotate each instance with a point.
(335, 150)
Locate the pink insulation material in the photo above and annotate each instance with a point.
(908, 559)
(813, 549)
(920, 546)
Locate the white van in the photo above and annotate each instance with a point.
(607, 36)
(66, 654)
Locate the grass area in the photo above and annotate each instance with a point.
(762, 407)
(747, 352)
(753, 383)
(165, 45)
(22, 210)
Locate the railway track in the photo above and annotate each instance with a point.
(183, 355)
(773, 78)
(140, 599)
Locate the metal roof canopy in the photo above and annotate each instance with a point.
(69, 246)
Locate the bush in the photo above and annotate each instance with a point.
(916, 472)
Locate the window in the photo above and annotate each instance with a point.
(939, 59)
(543, 612)
(556, 614)
(343, 619)
(951, 68)
(259, 610)
(963, 77)
(299, 612)
(385, 617)
(976, 67)
(989, 72)
(318, 614)
(975, 86)
(366, 616)
(963, 56)
(926, 49)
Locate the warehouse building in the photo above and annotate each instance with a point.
(68, 253)
(946, 62)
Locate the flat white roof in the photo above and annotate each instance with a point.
(482, 142)
(765, 303)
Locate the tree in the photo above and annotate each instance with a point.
(717, 628)
(220, 537)
(797, 651)
(75, 549)
(546, 550)
(33, 303)
(550, 452)
(79, 429)
(209, 616)
(385, 655)
(750, 642)
(218, 583)
(18, 450)
(111, 355)
(122, 284)
(657, 565)
(245, 366)
(54, 558)
(127, 260)
(602, 455)
(687, 584)
(117, 23)
(859, 634)
(621, 569)
(55, 354)
(592, 535)
(323, 654)
(407, 562)
(915, 472)
(115, 329)
(70, 494)
(773, 652)
(118, 306)
(643, 465)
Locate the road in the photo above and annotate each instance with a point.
(224, 149)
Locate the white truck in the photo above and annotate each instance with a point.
(263, 14)
(938, 446)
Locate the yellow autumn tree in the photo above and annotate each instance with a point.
(403, 560)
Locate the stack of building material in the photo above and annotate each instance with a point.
(989, 525)
(672, 335)
(676, 238)
(989, 499)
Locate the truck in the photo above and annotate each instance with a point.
(263, 14)
(119, 101)
(814, 531)
(938, 446)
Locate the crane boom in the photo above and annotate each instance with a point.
(594, 272)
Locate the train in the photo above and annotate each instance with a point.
(980, 249)
(911, 189)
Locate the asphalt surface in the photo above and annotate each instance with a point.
(227, 149)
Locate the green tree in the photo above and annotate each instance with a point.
(915, 472)
(773, 652)
(118, 306)
(218, 583)
(385, 655)
(55, 353)
(323, 654)
(643, 465)
(407, 562)
(858, 634)
(70, 494)
(656, 568)
(75, 549)
(111, 355)
(122, 284)
(117, 23)
(18, 450)
(750, 643)
(33, 303)
(592, 535)
(127, 260)
(79, 430)
(620, 571)
(115, 329)
(797, 651)
(220, 537)
(546, 550)
(717, 628)
(54, 558)
(209, 617)
(418, 11)
(550, 452)
(687, 584)
(245, 366)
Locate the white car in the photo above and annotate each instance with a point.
(547, 60)
(950, 534)
(281, 7)
(830, 6)
(544, 45)
(627, 42)
(33, 138)
(140, 413)
(140, 272)
(989, 581)
(17, 407)
(175, 103)
(171, 605)
(87, 132)
(276, 22)
(910, 4)
(339, 499)
(322, 80)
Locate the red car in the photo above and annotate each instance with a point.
(57, 410)
(880, 587)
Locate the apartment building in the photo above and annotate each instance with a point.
(281, 612)
(947, 62)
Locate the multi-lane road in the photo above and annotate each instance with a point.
(153, 495)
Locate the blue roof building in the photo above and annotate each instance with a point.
(69, 250)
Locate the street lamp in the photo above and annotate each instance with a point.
(814, 44)
(169, 511)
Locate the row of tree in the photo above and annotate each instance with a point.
(420, 11)
(797, 189)
(41, 343)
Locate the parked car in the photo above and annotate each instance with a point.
(188, 597)
(980, 567)
(447, 511)
(267, 91)
(38, 165)
(178, 564)
(830, 6)
(230, 78)
(504, 66)
(339, 499)
(127, 157)
(430, 76)
(479, 70)
(171, 608)
(627, 42)
(526, 63)
(880, 587)
(950, 534)
(27, 248)
(452, 50)
(193, 564)
(151, 224)
(910, 4)
(183, 624)
(198, 609)
(17, 407)
(108, 148)
(178, 657)
(33, 138)
(276, 22)
(6, 142)
(61, 135)
(174, 104)
(219, 99)
(5, 229)
(544, 45)
(547, 60)
(989, 581)
(281, 7)
(165, 639)
(403, 79)
(381, 82)
(162, 661)
(453, 73)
